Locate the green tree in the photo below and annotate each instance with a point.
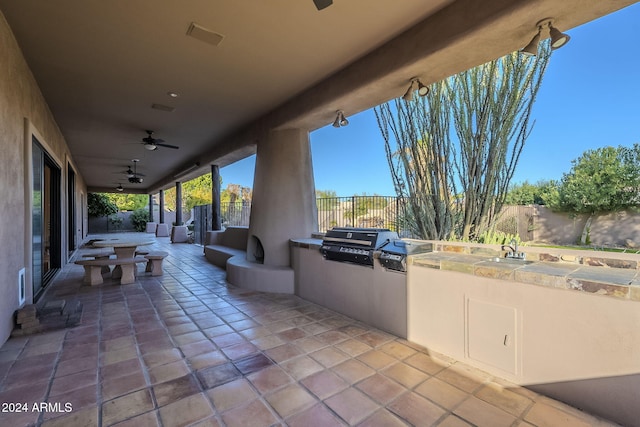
(540, 193)
(236, 193)
(452, 154)
(326, 194)
(129, 202)
(194, 193)
(606, 179)
(197, 191)
(99, 205)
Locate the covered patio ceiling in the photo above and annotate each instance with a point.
(102, 65)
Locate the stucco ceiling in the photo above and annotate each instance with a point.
(102, 64)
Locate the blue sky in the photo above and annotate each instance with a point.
(589, 98)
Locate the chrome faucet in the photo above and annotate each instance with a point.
(513, 250)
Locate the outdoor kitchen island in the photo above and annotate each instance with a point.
(369, 293)
(564, 323)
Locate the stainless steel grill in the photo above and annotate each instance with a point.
(393, 255)
(355, 245)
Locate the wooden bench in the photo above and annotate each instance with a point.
(154, 263)
(100, 255)
(93, 269)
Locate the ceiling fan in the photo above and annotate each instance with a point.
(152, 144)
(321, 4)
(134, 177)
(130, 172)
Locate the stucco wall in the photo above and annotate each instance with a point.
(22, 107)
(562, 228)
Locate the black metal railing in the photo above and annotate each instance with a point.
(202, 222)
(235, 213)
(355, 211)
(360, 211)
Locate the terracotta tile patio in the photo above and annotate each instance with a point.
(187, 349)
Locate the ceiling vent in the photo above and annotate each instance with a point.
(163, 108)
(205, 35)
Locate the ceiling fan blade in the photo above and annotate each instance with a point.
(130, 172)
(321, 4)
(167, 145)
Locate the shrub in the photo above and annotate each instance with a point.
(116, 221)
(139, 219)
(496, 237)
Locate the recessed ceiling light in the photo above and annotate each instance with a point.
(173, 94)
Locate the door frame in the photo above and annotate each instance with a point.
(31, 133)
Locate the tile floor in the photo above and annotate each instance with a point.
(186, 349)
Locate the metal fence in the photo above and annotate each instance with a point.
(202, 222)
(355, 211)
(236, 213)
(360, 211)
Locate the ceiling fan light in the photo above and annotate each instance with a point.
(151, 147)
(119, 187)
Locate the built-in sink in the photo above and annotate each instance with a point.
(515, 261)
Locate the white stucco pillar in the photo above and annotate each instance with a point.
(284, 200)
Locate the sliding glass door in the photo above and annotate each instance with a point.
(71, 209)
(46, 214)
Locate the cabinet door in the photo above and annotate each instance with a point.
(491, 332)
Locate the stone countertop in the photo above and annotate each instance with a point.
(605, 274)
(621, 283)
(307, 243)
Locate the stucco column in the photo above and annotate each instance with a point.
(216, 218)
(284, 200)
(178, 203)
